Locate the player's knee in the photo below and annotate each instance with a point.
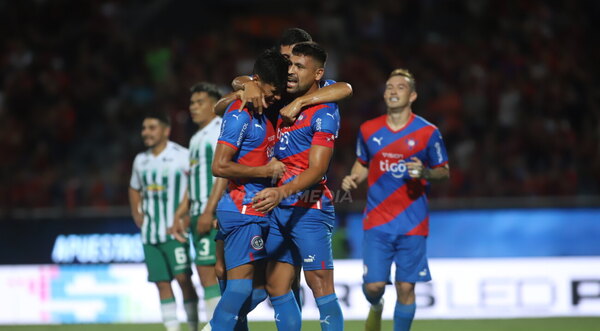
(374, 289)
(405, 292)
(320, 281)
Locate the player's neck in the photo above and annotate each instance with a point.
(203, 124)
(156, 150)
(396, 119)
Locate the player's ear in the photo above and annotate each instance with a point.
(319, 73)
(413, 96)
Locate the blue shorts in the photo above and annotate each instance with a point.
(301, 236)
(409, 253)
(244, 237)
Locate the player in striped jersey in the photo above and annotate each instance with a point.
(399, 153)
(158, 184)
(303, 215)
(244, 149)
(204, 192)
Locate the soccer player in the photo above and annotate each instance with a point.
(303, 214)
(247, 90)
(243, 155)
(399, 153)
(202, 196)
(158, 183)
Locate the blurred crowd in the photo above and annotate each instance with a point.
(512, 85)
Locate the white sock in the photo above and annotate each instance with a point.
(169, 315)
(191, 310)
(210, 306)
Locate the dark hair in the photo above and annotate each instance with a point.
(311, 49)
(272, 68)
(161, 116)
(211, 89)
(293, 36)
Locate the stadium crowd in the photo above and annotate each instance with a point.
(512, 86)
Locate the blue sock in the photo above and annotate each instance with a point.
(331, 317)
(298, 297)
(236, 293)
(287, 313)
(258, 296)
(373, 299)
(222, 285)
(403, 316)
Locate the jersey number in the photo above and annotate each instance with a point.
(180, 255)
(204, 244)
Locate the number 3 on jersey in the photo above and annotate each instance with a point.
(284, 138)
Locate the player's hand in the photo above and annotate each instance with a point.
(275, 169)
(138, 219)
(350, 182)
(290, 112)
(179, 229)
(267, 199)
(253, 94)
(415, 168)
(205, 223)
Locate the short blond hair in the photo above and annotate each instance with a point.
(406, 74)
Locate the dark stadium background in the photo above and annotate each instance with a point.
(512, 85)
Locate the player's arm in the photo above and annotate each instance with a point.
(245, 89)
(330, 93)
(318, 162)
(417, 170)
(357, 175)
(135, 203)
(221, 105)
(224, 166)
(181, 220)
(437, 159)
(206, 220)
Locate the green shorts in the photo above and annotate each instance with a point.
(204, 245)
(166, 260)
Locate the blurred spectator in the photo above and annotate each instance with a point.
(512, 85)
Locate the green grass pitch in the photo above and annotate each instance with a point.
(533, 324)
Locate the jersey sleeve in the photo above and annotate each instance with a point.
(233, 128)
(362, 152)
(325, 125)
(436, 150)
(326, 82)
(135, 182)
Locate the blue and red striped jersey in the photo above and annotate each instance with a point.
(396, 203)
(253, 137)
(315, 125)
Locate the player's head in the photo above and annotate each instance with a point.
(156, 128)
(270, 71)
(307, 67)
(291, 37)
(202, 101)
(400, 89)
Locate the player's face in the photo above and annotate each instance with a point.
(270, 92)
(398, 93)
(302, 74)
(286, 50)
(201, 107)
(154, 132)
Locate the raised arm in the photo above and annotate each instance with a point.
(330, 93)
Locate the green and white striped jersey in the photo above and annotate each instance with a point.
(162, 180)
(202, 149)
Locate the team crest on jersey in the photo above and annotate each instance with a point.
(257, 243)
(411, 143)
